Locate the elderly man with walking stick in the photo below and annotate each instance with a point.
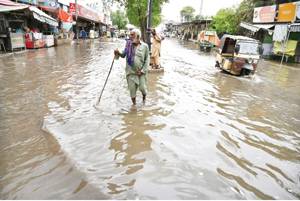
(137, 63)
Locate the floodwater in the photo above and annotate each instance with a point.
(202, 134)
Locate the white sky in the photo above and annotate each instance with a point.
(171, 10)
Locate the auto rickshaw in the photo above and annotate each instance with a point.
(238, 55)
(208, 40)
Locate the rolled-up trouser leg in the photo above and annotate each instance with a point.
(143, 84)
(132, 86)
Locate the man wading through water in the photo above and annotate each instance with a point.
(137, 62)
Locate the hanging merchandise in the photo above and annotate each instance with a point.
(66, 26)
(280, 32)
(64, 16)
(288, 49)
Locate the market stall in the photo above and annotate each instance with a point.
(65, 34)
(11, 22)
(36, 38)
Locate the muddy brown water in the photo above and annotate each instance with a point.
(203, 134)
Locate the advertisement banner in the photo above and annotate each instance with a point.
(264, 14)
(287, 12)
(49, 5)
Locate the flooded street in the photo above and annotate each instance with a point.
(202, 134)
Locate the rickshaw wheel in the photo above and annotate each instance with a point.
(245, 71)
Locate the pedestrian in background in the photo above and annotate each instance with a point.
(83, 34)
(137, 62)
(155, 53)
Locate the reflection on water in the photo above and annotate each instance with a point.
(202, 134)
(130, 145)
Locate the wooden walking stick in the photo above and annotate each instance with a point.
(106, 81)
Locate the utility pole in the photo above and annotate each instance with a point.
(76, 14)
(201, 7)
(149, 20)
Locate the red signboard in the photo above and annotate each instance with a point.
(72, 8)
(86, 13)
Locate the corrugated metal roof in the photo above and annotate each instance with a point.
(6, 6)
(43, 17)
(295, 27)
(257, 27)
(234, 37)
(9, 3)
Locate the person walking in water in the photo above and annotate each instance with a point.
(137, 62)
(83, 34)
(155, 53)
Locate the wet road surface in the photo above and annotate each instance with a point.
(202, 134)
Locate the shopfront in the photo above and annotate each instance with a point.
(39, 31)
(285, 39)
(12, 21)
(24, 26)
(88, 20)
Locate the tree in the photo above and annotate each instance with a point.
(187, 13)
(246, 8)
(119, 18)
(228, 20)
(136, 11)
(225, 21)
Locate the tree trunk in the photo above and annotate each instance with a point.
(143, 27)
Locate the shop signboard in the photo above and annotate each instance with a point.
(287, 12)
(101, 17)
(264, 14)
(64, 2)
(298, 11)
(88, 13)
(72, 8)
(48, 4)
(17, 40)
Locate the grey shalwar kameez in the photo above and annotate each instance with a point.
(141, 62)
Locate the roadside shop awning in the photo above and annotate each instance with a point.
(295, 27)
(256, 27)
(7, 5)
(43, 17)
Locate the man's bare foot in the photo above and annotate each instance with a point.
(133, 101)
(144, 99)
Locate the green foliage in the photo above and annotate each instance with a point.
(136, 11)
(119, 18)
(246, 8)
(228, 20)
(225, 21)
(187, 13)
